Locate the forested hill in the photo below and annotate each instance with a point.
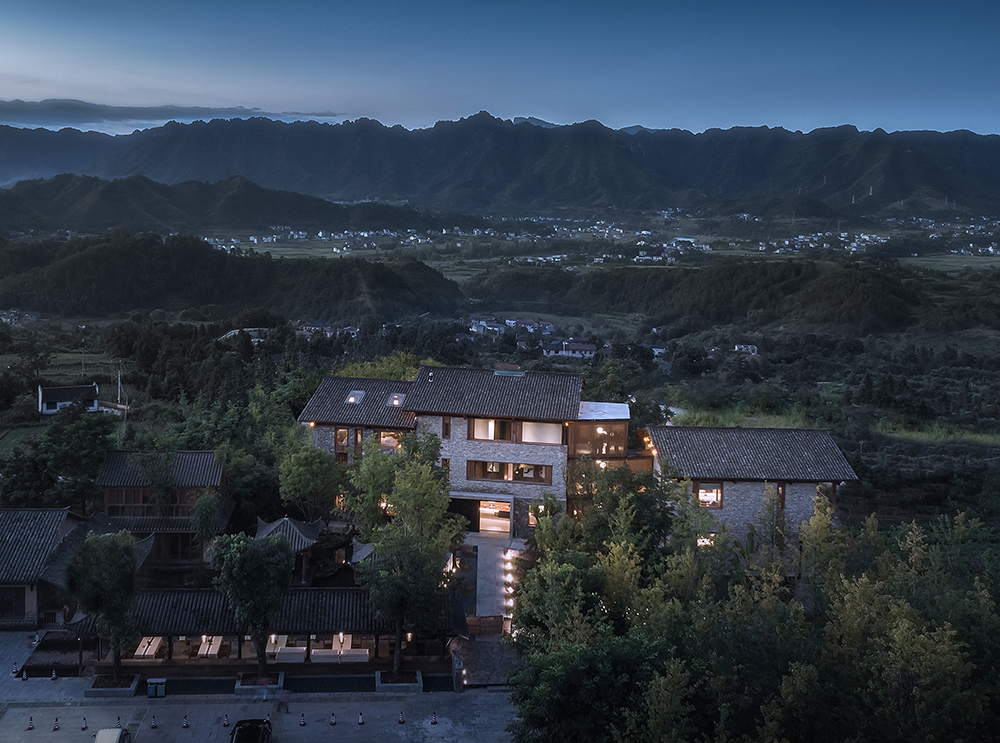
(490, 165)
(862, 296)
(121, 272)
(89, 204)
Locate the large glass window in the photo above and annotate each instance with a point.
(510, 472)
(492, 429)
(12, 602)
(541, 433)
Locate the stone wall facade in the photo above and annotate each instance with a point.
(459, 449)
(743, 504)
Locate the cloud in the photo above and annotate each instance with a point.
(54, 113)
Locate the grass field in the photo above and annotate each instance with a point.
(12, 438)
(952, 263)
(72, 367)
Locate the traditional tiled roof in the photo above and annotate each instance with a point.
(189, 469)
(767, 454)
(299, 534)
(69, 394)
(61, 556)
(375, 409)
(27, 538)
(153, 524)
(502, 394)
(197, 611)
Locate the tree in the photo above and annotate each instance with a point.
(398, 365)
(405, 576)
(59, 467)
(253, 575)
(309, 479)
(204, 518)
(101, 577)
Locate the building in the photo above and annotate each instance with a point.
(53, 399)
(731, 468)
(29, 538)
(345, 410)
(153, 494)
(508, 438)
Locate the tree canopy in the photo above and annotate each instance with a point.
(406, 574)
(253, 575)
(102, 579)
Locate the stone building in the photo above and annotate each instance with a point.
(730, 469)
(508, 438)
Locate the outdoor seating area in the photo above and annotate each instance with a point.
(148, 647)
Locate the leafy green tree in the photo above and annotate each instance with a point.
(405, 576)
(373, 481)
(102, 578)
(398, 365)
(58, 468)
(253, 575)
(205, 508)
(310, 480)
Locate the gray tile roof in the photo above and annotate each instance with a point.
(329, 405)
(486, 393)
(153, 524)
(70, 394)
(299, 534)
(190, 469)
(771, 454)
(197, 611)
(27, 538)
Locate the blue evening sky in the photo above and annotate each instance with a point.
(802, 65)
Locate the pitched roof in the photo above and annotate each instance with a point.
(299, 534)
(189, 469)
(772, 454)
(197, 611)
(502, 394)
(329, 403)
(27, 538)
(69, 394)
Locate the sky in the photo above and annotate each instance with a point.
(802, 65)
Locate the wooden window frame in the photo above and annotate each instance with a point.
(717, 505)
(508, 472)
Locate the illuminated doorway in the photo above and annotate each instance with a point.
(494, 516)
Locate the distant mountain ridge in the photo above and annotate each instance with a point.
(484, 164)
(90, 204)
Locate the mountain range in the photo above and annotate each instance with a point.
(90, 204)
(487, 165)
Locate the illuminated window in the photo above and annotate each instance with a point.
(355, 397)
(533, 473)
(396, 399)
(390, 439)
(541, 433)
(491, 429)
(710, 494)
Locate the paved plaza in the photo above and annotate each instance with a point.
(477, 715)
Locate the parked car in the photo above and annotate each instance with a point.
(113, 735)
(251, 731)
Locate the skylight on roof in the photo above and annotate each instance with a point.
(396, 399)
(355, 397)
